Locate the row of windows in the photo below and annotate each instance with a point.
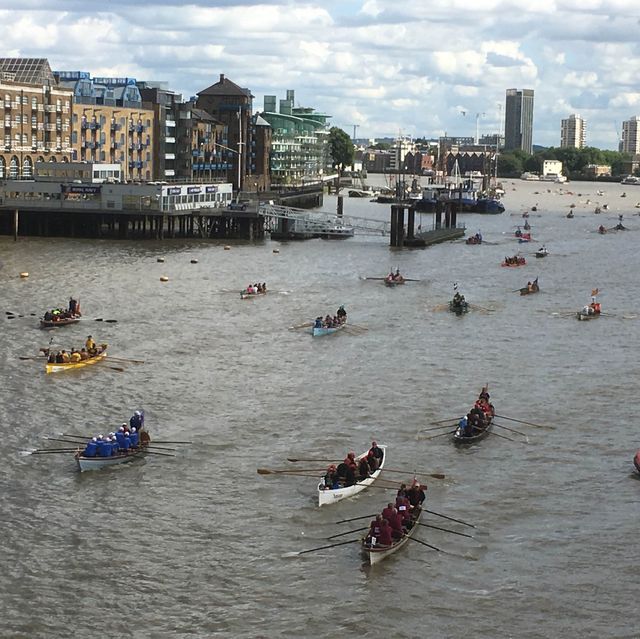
(24, 140)
(25, 119)
(34, 101)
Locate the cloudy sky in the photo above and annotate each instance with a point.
(390, 67)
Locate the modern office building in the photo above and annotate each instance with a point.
(631, 136)
(110, 123)
(36, 117)
(518, 120)
(300, 141)
(573, 132)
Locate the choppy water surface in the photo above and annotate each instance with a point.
(193, 546)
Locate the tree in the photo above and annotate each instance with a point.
(340, 148)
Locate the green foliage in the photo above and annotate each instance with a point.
(341, 148)
(381, 146)
(574, 161)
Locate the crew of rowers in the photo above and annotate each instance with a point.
(353, 470)
(458, 300)
(331, 322)
(128, 438)
(395, 277)
(396, 519)
(479, 417)
(475, 239)
(519, 232)
(514, 260)
(532, 287)
(255, 289)
(592, 309)
(57, 314)
(90, 349)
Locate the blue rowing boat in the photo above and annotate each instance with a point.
(319, 332)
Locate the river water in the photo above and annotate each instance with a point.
(197, 545)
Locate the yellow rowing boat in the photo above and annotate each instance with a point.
(57, 368)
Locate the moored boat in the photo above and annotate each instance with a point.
(56, 367)
(332, 495)
(376, 553)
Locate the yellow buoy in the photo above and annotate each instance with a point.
(164, 278)
(161, 260)
(194, 261)
(227, 248)
(24, 274)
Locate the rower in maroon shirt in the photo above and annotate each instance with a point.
(388, 511)
(385, 538)
(397, 529)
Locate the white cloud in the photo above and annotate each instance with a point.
(386, 65)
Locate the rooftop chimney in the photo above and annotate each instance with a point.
(222, 77)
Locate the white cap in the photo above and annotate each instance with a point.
(94, 439)
(126, 433)
(133, 430)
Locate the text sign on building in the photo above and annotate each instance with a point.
(211, 189)
(174, 190)
(193, 190)
(85, 189)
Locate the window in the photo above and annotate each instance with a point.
(34, 121)
(34, 103)
(74, 137)
(75, 118)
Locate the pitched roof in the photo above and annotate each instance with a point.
(28, 70)
(224, 86)
(260, 121)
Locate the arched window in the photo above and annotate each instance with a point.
(65, 159)
(53, 159)
(40, 159)
(13, 168)
(27, 168)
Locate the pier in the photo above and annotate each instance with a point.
(442, 230)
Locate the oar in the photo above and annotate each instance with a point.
(342, 534)
(449, 432)
(32, 357)
(408, 279)
(415, 472)
(286, 471)
(520, 421)
(459, 521)
(124, 359)
(426, 430)
(493, 432)
(158, 441)
(424, 543)
(305, 325)
(442, 421)
(482, 308)
(303, 552)
(154, 452)
(345, 521)
(453, 532)
(293, 459)
(109, 321)
(513, 430)
(113, 368)
(375, 278)
(65, 441)
(60, 452)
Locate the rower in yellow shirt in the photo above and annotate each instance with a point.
(90, 345)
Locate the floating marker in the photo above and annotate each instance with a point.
(161, 260)
(24, 274)
(194, 261)
(164, 278)
(276, 250)
(227, 248)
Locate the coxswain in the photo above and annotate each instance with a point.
(136, 420)
(377, 453)
(48, 316)
(342, 314)
(318, 322)
(72, 306)
(462, 426)
(90, 345)
(374, 530)
(416, 494)
(484, 394)
(264, 287)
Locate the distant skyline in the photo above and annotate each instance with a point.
(392, 68)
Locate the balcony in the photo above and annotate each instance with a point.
(114, 144)
(49, 127)
(7, 104)
(34, 125)
(7, 124)
(115, 126)
(90, 125)
(50, 108)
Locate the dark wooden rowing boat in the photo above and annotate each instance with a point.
(459, 438)
(64, 321)
(525, 290)
(459, 308)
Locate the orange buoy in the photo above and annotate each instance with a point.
(164, 278)
(24, 274)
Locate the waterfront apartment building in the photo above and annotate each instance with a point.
(110, 124)
(630, 142)
(573, 132)
(36, 117)
(518, 120)
(299, 141)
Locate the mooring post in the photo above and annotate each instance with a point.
(16, 219)
(411, 222)
(447, 215)
(397, 225)
(340, 205)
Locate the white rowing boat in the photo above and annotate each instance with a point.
(376, 554)
(332, 495)
(95, 463)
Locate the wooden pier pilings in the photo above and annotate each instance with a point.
(405, 235)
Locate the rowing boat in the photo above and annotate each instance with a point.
(332, 495)
(246, 295)
(542, 253)
(63, 321)
(325, 330)
(535, 288)
(459, 438)
(521, 262)
(58, 368)
(636, 461)
(458, 307)
(583, 316)
(121, 457)
(376, 554)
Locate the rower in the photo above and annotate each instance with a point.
(75, 356)
(374, 530)
(342, 314)
(364, 470)
(385, 538)
(350, 460)
(318, 322)
(331, 478)
(397, 529)
(51, 359)
(90, 345)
